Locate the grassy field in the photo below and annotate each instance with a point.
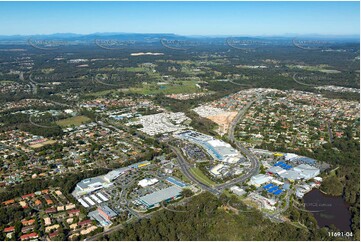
(47, 70)
(39, 145)
(169, 88)
(201, 177)
(320, 68)
(77, 120)
(100, 93)
(134, 69)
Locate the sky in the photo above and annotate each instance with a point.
(184, 18)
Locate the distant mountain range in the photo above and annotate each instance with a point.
(156, 37)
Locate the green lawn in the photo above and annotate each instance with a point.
(201, 177)
(47, 70)
(135, 69)
(101, 93)
(320, 68)
(77, 120)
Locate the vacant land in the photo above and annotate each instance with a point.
(223, 120)
(42, 144)
(200, 176)
(76, 121)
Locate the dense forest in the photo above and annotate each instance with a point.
(206, 219)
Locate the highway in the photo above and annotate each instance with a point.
(254, 169)
(301, 83)
(240, 114)
(32, 84)
(185, 170)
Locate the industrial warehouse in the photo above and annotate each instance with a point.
(284, 174)
(154, 199)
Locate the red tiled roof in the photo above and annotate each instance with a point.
(28, 195)
(84, 222)
(45, 191)
(50, 210)
(9, 229)
(74, 211)
(28, 222)
(52, 235)
(9, 202)
(29, 236)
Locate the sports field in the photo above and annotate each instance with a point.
(76, 121)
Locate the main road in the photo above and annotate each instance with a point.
(254, 169)
(185, 170)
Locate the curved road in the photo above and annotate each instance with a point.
(185, 170)
(301, 83)
(252, 158)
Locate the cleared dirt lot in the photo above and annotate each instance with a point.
(223, 120)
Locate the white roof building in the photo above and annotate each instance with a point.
(306, 171)
(112, 175)
(237, 190)
(147, 182)
(276, 170)
(260, 179)
(216, 170)
(290, 156)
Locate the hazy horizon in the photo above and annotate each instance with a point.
(181, 18)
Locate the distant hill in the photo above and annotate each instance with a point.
(156, 37)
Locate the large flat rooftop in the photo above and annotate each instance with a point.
(218, 149)
(160, 196)
(91, 182)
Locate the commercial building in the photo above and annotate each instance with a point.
(176, 182)
(90, 184)
(220, 170)
(217, 149)
(106, 212)
(161, 123)
(264, 202)
(260, 179)
(238, 191)
(290, 156)
(276, 170)
(102, 221)
(139, 164)
(291, 175)
(147, 182)
(154, 199)
(112, 175)
(306, 171)
(285, 171)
